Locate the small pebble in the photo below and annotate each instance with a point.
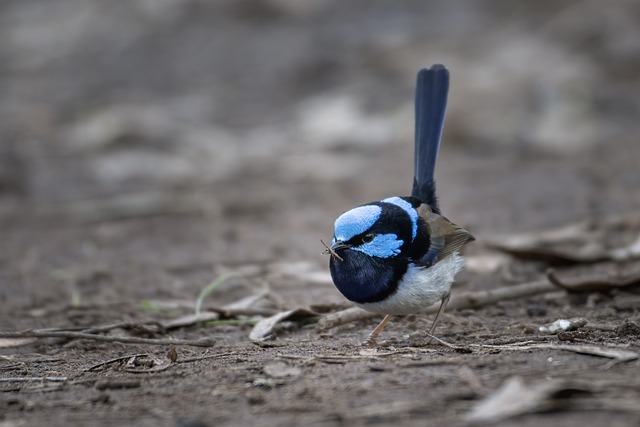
(562, 325)
(254, 397)
(536, 310)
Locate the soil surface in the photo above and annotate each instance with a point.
(149, 149)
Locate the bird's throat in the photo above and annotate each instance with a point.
(361, 278)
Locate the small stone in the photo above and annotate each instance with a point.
(563, 325)
(255, 397)
(536, 310)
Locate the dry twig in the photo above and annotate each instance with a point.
(47, 333)
(330, 251)
(110, 361)
(32, 379)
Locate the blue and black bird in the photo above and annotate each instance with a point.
(400, 255)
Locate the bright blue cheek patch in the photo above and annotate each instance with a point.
(356, 221)
(410, 210)
(382, 246)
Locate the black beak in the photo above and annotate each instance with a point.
(339, 245)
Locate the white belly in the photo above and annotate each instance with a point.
(419, 288)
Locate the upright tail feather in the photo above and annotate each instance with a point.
(431, 102)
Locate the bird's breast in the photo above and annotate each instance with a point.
(419, 288)
(365, 279)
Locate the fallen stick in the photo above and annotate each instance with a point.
(343, 317)
(593, 350)
(483, 298)
(35, 333)
(459, 301)
(117, 359)
(31, 379)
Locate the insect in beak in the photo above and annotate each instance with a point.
(332, 250)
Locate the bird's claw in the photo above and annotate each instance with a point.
(369, 342)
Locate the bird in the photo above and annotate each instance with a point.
(399, 255)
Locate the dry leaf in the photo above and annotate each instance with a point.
(264, 327)
(190, 319)
(515, 397)
(599, 277)
(608, 240)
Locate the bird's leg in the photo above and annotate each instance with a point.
(443, 305)
(371, 339)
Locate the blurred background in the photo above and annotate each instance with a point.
(146, 144)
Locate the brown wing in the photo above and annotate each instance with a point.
(446, 237)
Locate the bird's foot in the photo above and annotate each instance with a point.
(430, 338)
(371, 339)
(372, 342)
(369, 342)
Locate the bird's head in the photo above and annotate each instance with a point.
(378, 229)
(371, 248)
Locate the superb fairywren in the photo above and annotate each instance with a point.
(400, 255)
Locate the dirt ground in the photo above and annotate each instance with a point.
(150, 148)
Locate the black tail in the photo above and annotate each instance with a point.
(431, 102)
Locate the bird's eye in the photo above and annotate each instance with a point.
(367, 238)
